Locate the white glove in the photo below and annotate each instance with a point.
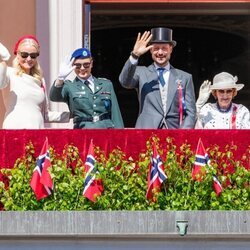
(65, 68)
(4, 53)
(204, 94)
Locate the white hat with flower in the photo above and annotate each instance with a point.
(225, 80)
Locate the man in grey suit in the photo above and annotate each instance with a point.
(166, 95)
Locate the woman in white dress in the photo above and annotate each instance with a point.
(23, 88)
(224, 114)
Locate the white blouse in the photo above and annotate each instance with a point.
(26, 103)
(210, 117)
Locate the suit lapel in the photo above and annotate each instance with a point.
(156, 88)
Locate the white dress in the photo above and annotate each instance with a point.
(210, 117)
(26, 103)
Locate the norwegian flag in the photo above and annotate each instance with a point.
(41, 181)
(217, 186)
(92, 186)
(201, 159)
(156, 175)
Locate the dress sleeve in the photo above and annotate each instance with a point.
(3, 75)
(244, 117)
(203, 112)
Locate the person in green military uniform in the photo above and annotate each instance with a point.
(92, 101)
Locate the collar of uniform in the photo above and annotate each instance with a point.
(90, 79)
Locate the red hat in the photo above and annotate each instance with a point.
(23, 38)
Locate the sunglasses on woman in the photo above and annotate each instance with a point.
(80, 65)
(26, 55)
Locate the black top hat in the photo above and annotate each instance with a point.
(162, 35)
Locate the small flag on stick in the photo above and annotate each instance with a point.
(41, 181)
(217, 186)
(156, 175)
(201, 159)
(92, 186)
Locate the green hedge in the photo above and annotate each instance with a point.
(125, 180)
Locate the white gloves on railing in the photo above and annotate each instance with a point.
(4, 53)
(65, 68)
(204, 94)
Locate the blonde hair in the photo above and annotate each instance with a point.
(35, 71)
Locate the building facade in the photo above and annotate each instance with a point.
(212, 36)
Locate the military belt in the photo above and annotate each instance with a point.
(94, 118)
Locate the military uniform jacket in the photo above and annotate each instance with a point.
(83, 103)
(151, 114)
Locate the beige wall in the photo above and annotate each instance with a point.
(17, 18)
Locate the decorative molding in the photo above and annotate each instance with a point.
(65, 35)
(132, 224)
(238, 25)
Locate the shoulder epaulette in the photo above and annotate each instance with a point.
(102, 78)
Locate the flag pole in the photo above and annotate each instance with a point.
(77, 198)
(187, 196)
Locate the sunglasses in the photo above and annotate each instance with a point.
(26, 55)
(84, 65)
(228, 91)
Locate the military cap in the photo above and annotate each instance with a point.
(81, 53)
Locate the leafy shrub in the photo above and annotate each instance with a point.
(125, 180)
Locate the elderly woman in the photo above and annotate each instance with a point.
(224, 114)
(23, 88)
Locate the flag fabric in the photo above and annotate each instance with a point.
(156, 175)
(92, 186)
(217, 186)
(41, 181)
(201, 159)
